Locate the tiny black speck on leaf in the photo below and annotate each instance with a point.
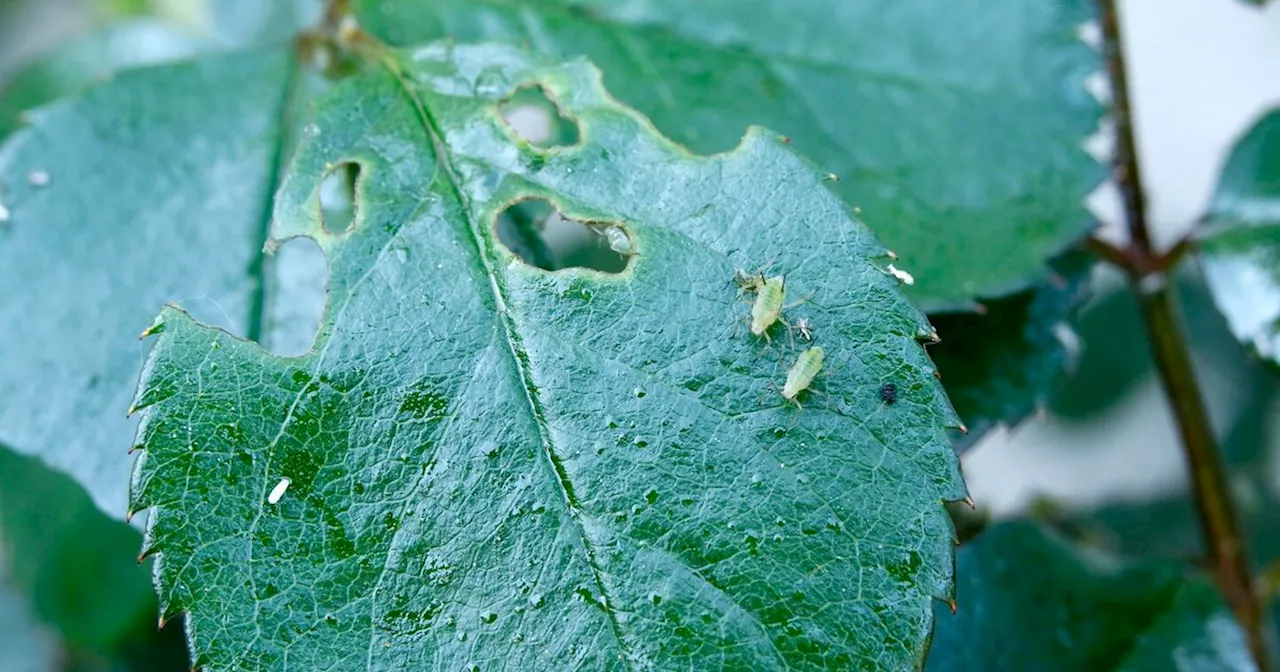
(889, 393)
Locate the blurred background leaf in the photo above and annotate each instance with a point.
(1028, 600)
(76, 567)
(1240, 250)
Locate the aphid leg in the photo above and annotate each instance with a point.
(791, 339)
(798, 302)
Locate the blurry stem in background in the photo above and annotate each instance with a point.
(1148, 275)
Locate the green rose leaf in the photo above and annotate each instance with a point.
(956, 127)
(1240, 252)
(484, 463)
(1030, 601)
(153, 187)
(90, 59)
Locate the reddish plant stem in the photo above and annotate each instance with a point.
(1148, 273)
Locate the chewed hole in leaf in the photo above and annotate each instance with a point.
(537, 119)
(534, 230)
(297, 274)
(338, 197)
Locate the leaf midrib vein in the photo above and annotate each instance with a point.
(513, 342)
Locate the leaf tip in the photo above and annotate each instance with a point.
(156, 327)
(147, 552)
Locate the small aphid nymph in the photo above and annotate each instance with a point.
(802, 373)
(889, 393)
(278, 491)
(768, 305)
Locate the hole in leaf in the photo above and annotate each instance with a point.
(537, 119)
(534, 230)
(297, 275)
(338, 197)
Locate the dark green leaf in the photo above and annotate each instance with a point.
(152, 188)
(75, 566)
(1115, 357)
(494, 465)
(1029, 601)
(90, 59)
(956, 127)
(999, 367)
(1241, 251)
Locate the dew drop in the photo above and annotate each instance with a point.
(488, 617)
(651, 496)
(639, 393)
(536, 600)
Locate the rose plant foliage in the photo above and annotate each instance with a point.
(490, 456)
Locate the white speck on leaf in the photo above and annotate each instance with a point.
(38, 178)
(4, 213)
(902, 275)
(278, 491)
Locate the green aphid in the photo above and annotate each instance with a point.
(802, 373)
(770, 295)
